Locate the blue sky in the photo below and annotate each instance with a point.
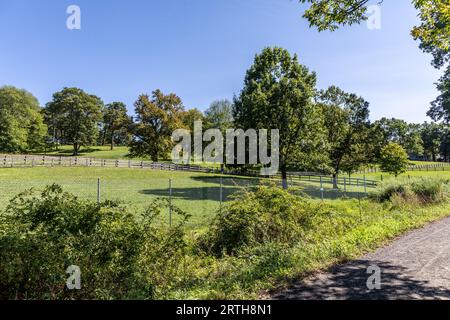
(200, 49)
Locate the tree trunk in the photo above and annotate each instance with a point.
(75, 149)
(284, 179)
(335, 181)
(112, 140)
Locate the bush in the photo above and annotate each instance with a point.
(414, 191)
(265, 215)
(43, 233)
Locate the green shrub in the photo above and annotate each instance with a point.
(43, 233)
(265, 215)
(414, 191)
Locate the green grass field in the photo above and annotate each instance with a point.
(101, 152)
(196, 193)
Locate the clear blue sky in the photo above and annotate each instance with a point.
(200, 49)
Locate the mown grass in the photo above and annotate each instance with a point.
(196, 193)
(100, 152)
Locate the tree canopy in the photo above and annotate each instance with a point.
(219, 115)
(278, 94)
(394, 159)
(75, 114)
(22, 125)
(433, 32)
(156, 118)
(347, 123)
(116, 123)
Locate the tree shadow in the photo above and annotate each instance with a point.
(200, 193)
(349, 282)
(330, 194)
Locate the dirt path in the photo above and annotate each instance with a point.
(416, 266)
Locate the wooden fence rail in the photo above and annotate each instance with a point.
(30, 161)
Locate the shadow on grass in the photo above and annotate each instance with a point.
(235, 184)
(349, 282)
(201, 193)
(330, 194)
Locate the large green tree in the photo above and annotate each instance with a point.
(347, 123)
(21, 122)
(219, 115)
(432, 135)
(408, 135)
(433, 32)
(75, 114)
(156, 119)
(278, 94)
(116, 123)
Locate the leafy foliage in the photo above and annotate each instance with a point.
(440, 108)
(434, 31)
(21, 122)
(399, 131)
(347, 123)
(268, 214)
(41, 234)
(329, 15)
(393, 159)
(413, 191)
(277, 94)
(156, 119)
(219, 115)
(73, 117)
(116, 124)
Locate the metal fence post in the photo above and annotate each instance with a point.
(221, 193)
(345, 187)
(170, 202)
(321, 188)
(98, 191)
(365, 186)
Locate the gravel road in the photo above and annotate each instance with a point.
(415, 266)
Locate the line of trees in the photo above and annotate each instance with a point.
(320, 130)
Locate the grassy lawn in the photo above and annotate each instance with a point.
(196, 193)
(101, 152)
(438, 173)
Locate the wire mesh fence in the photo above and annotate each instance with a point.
(199, 194)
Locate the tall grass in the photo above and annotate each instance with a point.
(423, 190)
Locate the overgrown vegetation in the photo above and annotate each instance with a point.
(258, 242)
(413, 191)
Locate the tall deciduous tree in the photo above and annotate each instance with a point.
(431, 136)
(399, 131)
(278, 94)
(347, 122)
(21, 122)
(76, 115)
(115, 122)
(156, 119)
